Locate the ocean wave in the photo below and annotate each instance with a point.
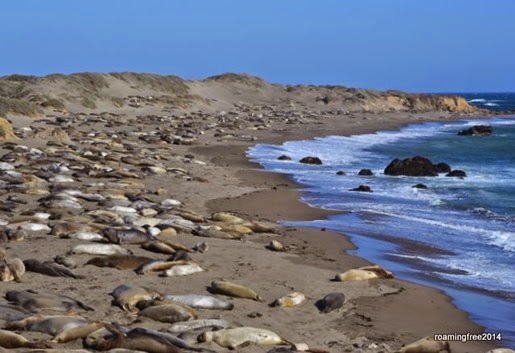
(477, 100)
(489, 104)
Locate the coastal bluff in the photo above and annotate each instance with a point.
(118, 92)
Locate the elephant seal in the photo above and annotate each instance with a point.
(126, 236)
(226, 217)
(10, 339)
(182, 270)
(120, 262)
(170, 313)
(180, 327)
(159, 247)
(158, 265)
(100, 249)
(276, 245)
(78, 332)
(233, 338)
(49, 268)
(215, 233)
(290, 300)
(13, 312)
(127, 297)
(135, 339)
(201, 301)
(64, 260)
(12, 270)
(501, 350)
(426, 345)
(330, 302)
(49, 324)
(363, 274)
(233, 290)
(35, 301)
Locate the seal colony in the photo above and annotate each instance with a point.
(143, 228)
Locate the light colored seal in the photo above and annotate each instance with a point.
(275, 245)
(78, 332)
(200, 301)
(363, 274)
(159, 247)
(425, 345)
(290, 300)
(180, 327)
(11, 270)
(234, 290)
(235, 337)
(35, 301)
(501, 350)
(226, 217)
(158, 265)
(182, 270)
(10, 339)
(215, 233)
(330, 302)
(100, 249)
(127, 296)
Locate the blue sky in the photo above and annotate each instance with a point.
(414, 45)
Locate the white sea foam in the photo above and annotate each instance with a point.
(477, 100)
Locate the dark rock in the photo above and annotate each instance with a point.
(477, 130)
(443, 168)
(284, 158)
(416, 166)
(420, 186)
(311, 160)
(362, 188)
(365, 172)
(340, 172)
(456, 173)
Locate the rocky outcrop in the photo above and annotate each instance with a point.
(362, 188)
(365, 172)
(477, 130)
(456, 173)
(6, 130)
(311, 160)
(416, 166)
(284, 158)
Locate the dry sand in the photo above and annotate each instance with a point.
(380, 315)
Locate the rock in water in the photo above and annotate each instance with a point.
(416, 166)
(311, 160)
(477, 130)
(456, 173)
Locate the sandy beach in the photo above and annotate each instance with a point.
(205, 168)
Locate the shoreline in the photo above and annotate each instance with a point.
(382, 313)
(214, 174)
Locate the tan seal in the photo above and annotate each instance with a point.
(363, 274)
(236, 337)
(170, 313)
(426, 345)
(78, 332)
(127, 296)
(290, 300)
(233, 290)
(120, 262)
(10, 339)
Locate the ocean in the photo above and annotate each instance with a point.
(457, 235)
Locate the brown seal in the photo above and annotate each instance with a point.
(120, 262)
(330, 302)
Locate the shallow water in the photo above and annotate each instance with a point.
(460, 232)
